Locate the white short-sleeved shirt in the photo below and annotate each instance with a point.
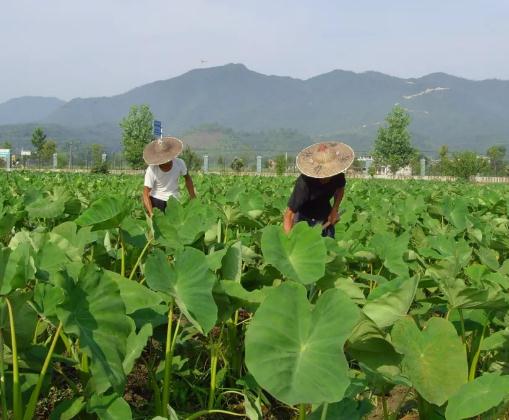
(165, 184)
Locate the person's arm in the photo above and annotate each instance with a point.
(295, 203)
(288, 219)
(333, 217)
(146, 200)
(148, 184)
(190, 186)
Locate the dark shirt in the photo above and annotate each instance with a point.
(311, 198)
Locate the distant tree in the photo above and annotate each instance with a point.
(98, 166)
(48, 149)
(280, 164)
(237, 164)
(466, 164)
(38, 140)
(415, 164)
(496, 156)
(357, 165)
(245, 160)
(96, 151)
(62, 159)
(443, 151)
(220, 162)
(392, 145)
(372, 171)
(442, 167)
(192, 159)
(96, 154)
(136, 134)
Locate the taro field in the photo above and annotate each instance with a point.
(211, 311)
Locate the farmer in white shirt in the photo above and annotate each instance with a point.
(163, 173)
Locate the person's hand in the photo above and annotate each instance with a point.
(332, 219)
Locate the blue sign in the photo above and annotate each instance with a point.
(158, 129)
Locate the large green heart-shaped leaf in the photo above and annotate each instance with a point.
(375, 355)
(15, 268)
(238, 297)
(68, 409)
(105, 213)
(72, 247)
(7, 222)
(95, 312)
(78, 239)
(49, 207)
(474, 398)
(461, 296)
(391, 249)
(295, 350)
(489, 257)
(135, 295)
(49, 259)
(346, 409)
(109, 407)
(456, 211)
(189, 281)
(25, 318)
(434, 359)
(252, 204)
(496, 341)
(215, 258)
(231, 263)
(133, 232)
(46, 299)
(135, 345)
(453, 255)
(182, 225)
(391, 301)
(300, 255)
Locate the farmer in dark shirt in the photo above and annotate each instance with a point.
(322, 166)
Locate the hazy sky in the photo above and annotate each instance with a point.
(71, 48)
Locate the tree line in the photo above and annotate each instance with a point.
(392, 149)
(68, 154)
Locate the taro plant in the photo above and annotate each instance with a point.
(217, 311)
(295, 350)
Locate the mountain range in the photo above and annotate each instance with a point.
(445, 109)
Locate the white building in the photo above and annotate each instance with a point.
(383, 170)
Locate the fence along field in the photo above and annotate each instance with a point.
(211, 310)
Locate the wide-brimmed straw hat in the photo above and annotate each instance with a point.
(162, 150)
(323, 160)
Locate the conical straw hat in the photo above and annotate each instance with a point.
(162, 150)
(323, 160)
